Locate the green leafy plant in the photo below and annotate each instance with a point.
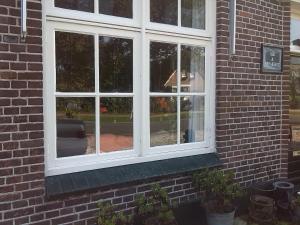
(154, 208)
(107, 215)
(220, 190)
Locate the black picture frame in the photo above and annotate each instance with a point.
(271, 59)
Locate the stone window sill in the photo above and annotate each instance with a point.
(122, 175)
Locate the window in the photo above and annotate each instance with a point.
(127, 81)
(295, 23)
(294, 87)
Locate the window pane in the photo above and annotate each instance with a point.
(75, 69)
(81, 5)
(116, 63)
(295, 102)
(122, 8)
(75, 126)
(164, 11)
(163, 67)
(116, 124)
(193, 13)
(163, 121)
(295, 31)
(192, 69)
(192, 119)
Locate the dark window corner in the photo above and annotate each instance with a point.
(127, 175)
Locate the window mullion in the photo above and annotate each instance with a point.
(96, 6)
(97, 90)
(143, 81)
(179, 13)
(178, 90)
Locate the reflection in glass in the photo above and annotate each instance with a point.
(295, 84)
(295, 102)
(164, 11)
(116, 64)
(122, 8)
(163, 67)
(74, 62)
(116, 124)
(193, 13)
(75, 120)
(192, 69)
(295, 31)
(192, 119)
(163, 121)
(81, 5)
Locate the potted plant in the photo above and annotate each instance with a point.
(220, 193)
(107, 215)
(154, 208)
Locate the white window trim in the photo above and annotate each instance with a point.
(67, 20)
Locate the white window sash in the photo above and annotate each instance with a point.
(94, 24)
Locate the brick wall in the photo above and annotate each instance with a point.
(252, 125)
(251, 128)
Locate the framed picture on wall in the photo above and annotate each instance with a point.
(272, 59)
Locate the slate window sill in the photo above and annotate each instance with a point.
(121, 175)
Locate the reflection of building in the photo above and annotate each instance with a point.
(189, 82)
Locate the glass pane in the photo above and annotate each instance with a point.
(164, 11)
(75, 66)
(192, 69)
(192, 119)
(295, 104)
(193, 13)
(163, 121)
(122, 8)
(163, 67)
(295, 31)
(116, 63)
(116, 124)
(75, 126)
(81, 5)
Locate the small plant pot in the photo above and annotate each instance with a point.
(220, 218)
(261, 209)
(264, 189)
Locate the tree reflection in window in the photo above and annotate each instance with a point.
(121, 8)
(115, 62)
(81, 5)
(75, 69)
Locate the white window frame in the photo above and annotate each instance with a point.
(141, 31)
